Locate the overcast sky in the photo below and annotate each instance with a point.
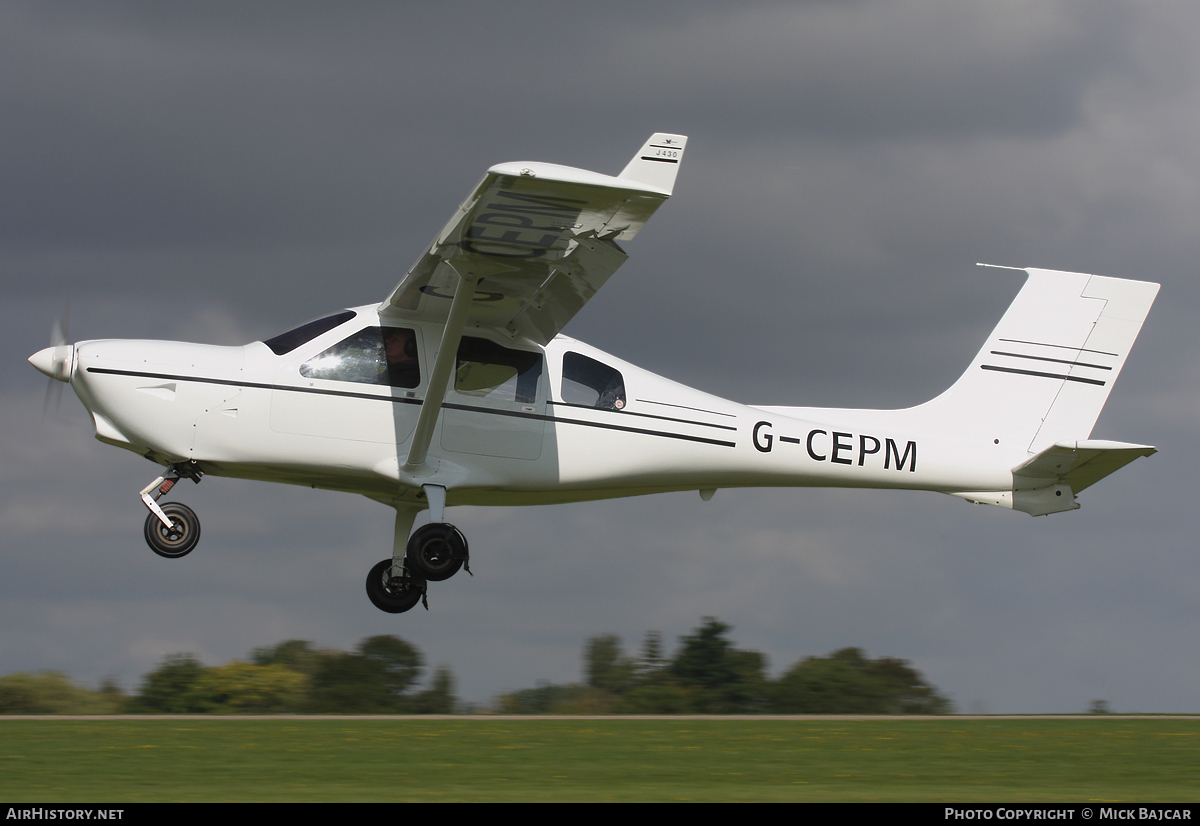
(219, 172)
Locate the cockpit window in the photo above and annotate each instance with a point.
(373, 355)
(590, 383)
(487, 370)
(285, 343)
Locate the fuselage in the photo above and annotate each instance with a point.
(520, 424)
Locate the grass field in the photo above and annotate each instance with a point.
(331, 759)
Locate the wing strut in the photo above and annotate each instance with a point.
(443, 366)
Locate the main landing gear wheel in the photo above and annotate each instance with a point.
(180, 538)
(436, 551)
(394, 594)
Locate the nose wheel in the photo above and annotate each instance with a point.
(177, 540)
(172, 530)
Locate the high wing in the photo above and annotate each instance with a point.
(526, 250)
(539, 240)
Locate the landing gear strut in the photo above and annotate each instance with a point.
(433, 553)
(171, 530)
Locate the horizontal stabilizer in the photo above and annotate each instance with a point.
(1048, 482)
(1079, 464)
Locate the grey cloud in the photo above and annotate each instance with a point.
(218, 172)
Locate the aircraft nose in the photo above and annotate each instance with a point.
(55, 362)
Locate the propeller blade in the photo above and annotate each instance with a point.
(58, 338)
(53, 397)
(58, 330)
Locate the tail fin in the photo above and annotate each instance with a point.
(1047, 369)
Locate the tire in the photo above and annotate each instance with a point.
(436, 551)
(177, 542)
(394, 596)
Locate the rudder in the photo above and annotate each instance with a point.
(1045, 372)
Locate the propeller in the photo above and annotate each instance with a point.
(56, 361)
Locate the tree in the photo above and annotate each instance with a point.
(298, 655)
(399, 663)
(238, 687)
(372, 680)
(171, 688)
(51, 692)
(546, 698)
(659, 697)
(847, 682)
(727, 680)
(651, 661)
(348, 684)
(605, 665)
(439, 697)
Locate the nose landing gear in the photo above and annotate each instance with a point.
(171, 530)
(177, 540)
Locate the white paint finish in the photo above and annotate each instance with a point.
(657, 163)
(1040, 378)
(245, 414)
(1125, 305)
(484, 433)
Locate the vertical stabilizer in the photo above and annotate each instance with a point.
(1045, 372)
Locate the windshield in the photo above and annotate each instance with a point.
(373, 355)
(285, 343)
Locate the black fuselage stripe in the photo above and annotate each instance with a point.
(1059, 346)
(254, 385)
(1044, 358)
(660, 160)
(667, 435)
(685, 407)
(394, 400)
(603, 425)
(645, 415)
(1079, 379)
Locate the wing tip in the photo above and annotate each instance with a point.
(657, 163)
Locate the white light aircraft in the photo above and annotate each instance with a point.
(459, 389)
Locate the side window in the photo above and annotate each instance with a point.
(489, 371)
(373, 355)
(590, 383)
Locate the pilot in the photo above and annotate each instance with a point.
(400, 348)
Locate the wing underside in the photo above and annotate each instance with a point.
(538, 241)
